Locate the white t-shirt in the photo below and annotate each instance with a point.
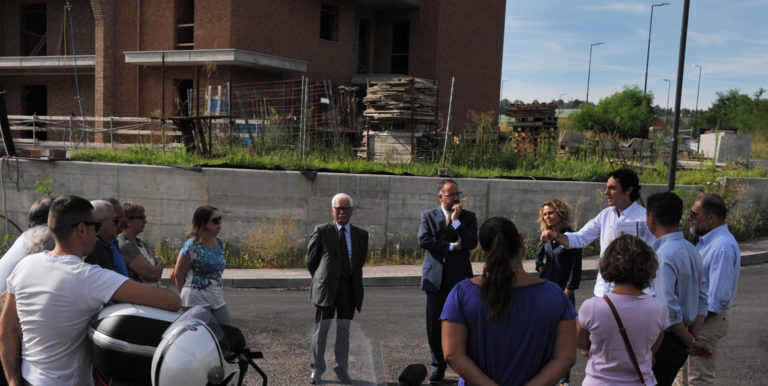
(56, 298)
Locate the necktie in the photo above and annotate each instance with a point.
(344, 251)
(447, 218)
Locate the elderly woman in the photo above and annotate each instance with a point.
(142, 266)
(506, 326)
(631, 264)
(203, 255)
(555, 262)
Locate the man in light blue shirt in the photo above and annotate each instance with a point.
(624, 215)
(721, 259)
(680, 282)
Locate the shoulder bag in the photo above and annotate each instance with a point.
(626, 338)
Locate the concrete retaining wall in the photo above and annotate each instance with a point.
(388, 206)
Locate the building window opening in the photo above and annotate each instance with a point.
(33, 30)
(364, 47)
(183, 98)
(329, 23)
(401, 38)
(185, 24)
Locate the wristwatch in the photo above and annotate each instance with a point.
(693, 340)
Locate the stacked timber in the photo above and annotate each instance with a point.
(401, 98)
(533, 125)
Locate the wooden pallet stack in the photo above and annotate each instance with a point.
(534, 124)
(401, 98)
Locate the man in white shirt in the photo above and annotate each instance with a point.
(624, 215)
(53, 295)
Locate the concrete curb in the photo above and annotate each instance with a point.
(751, 258)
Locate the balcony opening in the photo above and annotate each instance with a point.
(364, 51)
(33, 29)
(329, 23)
(185, 24)
(35, 100)
(401, 39)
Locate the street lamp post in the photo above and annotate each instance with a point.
(648, 53)
(696, 112)
(666, 112)
(589, 70)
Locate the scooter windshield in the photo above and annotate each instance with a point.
(199, 314)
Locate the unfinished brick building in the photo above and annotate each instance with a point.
(137, 57)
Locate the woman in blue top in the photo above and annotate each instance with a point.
(507, 327)
(203, 255)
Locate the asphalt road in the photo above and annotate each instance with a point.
(390, 334)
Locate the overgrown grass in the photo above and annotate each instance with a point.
(504, 164)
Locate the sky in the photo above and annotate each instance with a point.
(547, 42)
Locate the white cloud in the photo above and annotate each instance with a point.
(621, 7)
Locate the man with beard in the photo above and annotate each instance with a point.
(447, 233)
(722, 260)
(53, 295)
(624, 214)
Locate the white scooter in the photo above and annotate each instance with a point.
(143, 345)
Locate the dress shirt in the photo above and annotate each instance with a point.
(680, 278)
(455, 224)
(721, 258)
(603, 226)
(349, 240)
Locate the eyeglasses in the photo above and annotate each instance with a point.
(216, 220)
(342, 207)
(451, 194)
(692, 214)
(138, 217)
(96, 225)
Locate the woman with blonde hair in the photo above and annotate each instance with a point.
(555, 262)
(142, 266)
(506, 326)
(203, 255)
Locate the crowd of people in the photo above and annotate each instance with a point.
(659, 309)
(79, 255)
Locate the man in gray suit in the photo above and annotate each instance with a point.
(335, 256)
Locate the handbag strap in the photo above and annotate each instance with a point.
(625, 337)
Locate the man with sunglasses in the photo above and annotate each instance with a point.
(721, 258)
(102, 253)
(336, 253)
(53, 295)
(447, 234)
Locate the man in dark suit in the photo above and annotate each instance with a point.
(447, 233)
(335, 257)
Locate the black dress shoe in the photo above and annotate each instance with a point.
(342, 375)
(437, 376)
(314, 378)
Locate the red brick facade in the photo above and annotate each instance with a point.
(447, 38)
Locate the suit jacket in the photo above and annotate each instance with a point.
(435, 237)
(323, 262)
(559, 264)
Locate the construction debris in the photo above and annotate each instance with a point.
(404, 97)
(533, 124)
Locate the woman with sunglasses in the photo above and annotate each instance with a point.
(203, 255)
(142, 266)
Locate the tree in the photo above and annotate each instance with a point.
(732, 109)
(503, 105)
(628, 113)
